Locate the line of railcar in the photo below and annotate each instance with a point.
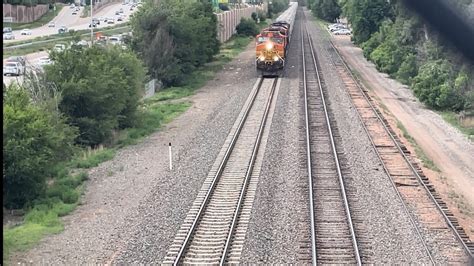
(273, 42)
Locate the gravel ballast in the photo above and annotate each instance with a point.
(133, 204)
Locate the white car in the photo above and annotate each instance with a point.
(25, 32)
(110, 21)
(13, 68)
(43, 61)
(342, 32)
(74, 12)
(59, 47)
(115, 40)
(51, 24)
(8, 36)
(72, 5)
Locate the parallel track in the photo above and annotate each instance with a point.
(332, 232)
(207, 237)
(406, 176)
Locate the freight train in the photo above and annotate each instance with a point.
(273, 42)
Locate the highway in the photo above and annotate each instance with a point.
(65, 18)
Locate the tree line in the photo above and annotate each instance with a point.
(401, 44)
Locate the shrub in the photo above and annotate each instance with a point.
(101, 88)
(435, 87)
(34, 140)
(408, 69)
(247, 27)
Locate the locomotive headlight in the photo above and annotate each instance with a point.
(261, 58)
(275, 58)
(269, 46)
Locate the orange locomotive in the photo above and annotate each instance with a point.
(273, 42)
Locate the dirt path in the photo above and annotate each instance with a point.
(451, 152)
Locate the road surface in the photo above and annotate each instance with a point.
(64, 18)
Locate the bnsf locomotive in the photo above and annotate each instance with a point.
(273, 42)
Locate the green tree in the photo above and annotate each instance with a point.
(174, 37)
(434, 86)
(247, 27)
(34, 140)
(326, 9)
(101, 88)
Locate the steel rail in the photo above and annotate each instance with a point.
(217, 175)
(339, 173)
(333, 146)
(248, 174)
(308, 157)
(466, 248)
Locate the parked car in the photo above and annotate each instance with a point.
(96, 21)
(78, 8)
(117, 13)
(339, 27)
(72, 5)
(7, 29)
(342, 32)
(74, 12)
(102, 19)
(121, 10)
(43, 61)
(82, 43)
(62, 29)
(59, 47)
(52, 24)
(13, 68)
(25, 32)
(8, 36)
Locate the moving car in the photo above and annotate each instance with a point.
(110, 21)
(25, 32)
(19, 59)
(52, 24)
(62, 29)
(13, 68)
(342, 32)
(7, 29)
(8, 36)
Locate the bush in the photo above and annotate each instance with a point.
(101, 88)
(435, 87)
(247, 27)
(34, 140)
(408, 69)
(174, 38)
(326, 9)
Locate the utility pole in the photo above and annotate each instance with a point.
(92, 24)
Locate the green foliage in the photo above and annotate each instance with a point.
(92, 158)
(101, 88)
(366, 17)
(408, 69)
(434, 86)
(277, 6)
(174, 38)
(326, 9)
(34, 140)
(247, 27)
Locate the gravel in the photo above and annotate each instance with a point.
(133, 204)
(279, 226)
(391, 237)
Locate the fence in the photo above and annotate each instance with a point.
(151, 87)
(228, 20)
(24, 14)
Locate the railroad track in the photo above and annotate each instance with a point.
(214, 230)
(419, 197)
(333, 237)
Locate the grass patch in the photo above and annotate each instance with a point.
(452, 119)
(45, 19)
(92, 157)
(427, 162)
(43, 218)
(64, 190)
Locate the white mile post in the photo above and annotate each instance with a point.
(171, 160)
